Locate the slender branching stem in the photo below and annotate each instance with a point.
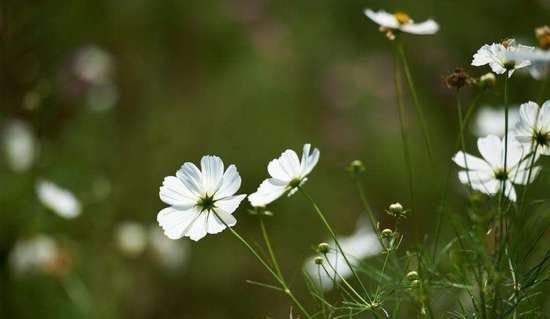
(281, 282)
(416, 101)
(333, 236)
(404, 141)
(270, 251)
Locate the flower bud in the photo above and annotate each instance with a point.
(457, 79)
(386, 233)
(323, 248)
(396, 210)
(543, 37)
(356, 167)
(318, 260)
(487, 80)
(412, 275)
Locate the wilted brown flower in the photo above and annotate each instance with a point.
(458, 79)
(543, 37)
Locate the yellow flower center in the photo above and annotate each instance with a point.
(402, 17)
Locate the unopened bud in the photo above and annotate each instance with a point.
(415, 283)
(396, 210)
(318, 260)
(386, 233)
(412, 275)
(323, 248)
(356, 167)
(488, 80)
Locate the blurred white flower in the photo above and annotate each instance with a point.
(19, 145)
(490, 121)
(539, 59)
(362, 244)
(35, 254)
(488, 174)
(202, 201)
(534, 126)
(287, 174)
(102, 97)
(400, 21)
(170, 254)
(131, 238)
(59, 200)
(496, 55)
(93, 65)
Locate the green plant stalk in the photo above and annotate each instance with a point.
(270, 249)
(333, 236)
(401, 111)
(368, 208)
(416, 101)
(469, 113)
(286, 289)
(462, 141)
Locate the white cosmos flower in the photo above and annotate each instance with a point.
(59, 200)
(534, 126)
(490, 121)
(131, 238)
(35, 254)
(19, 144)
(94, 65)
(488, 174)
(540, 61)
(496, 55)
(201, 201)
(363, 243)
(287, 173)
(400, 21)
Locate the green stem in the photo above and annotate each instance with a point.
(405, 144)
(281, 282)
(542, 89)
(441, 210)
(270, 249)
(333, 236)
(461, 137)
(416, 102)
(368, 208)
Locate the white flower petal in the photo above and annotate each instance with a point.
(475, 177)
(529, 113)
(490, 148)
(509, 191)
(229, 204)
(426, 27)
(212, 173)
(191, 177)
(290, 163)
(382, 18)
(544, 116)
(198, 228)
(59, 200)
(520, 176)
(275, 169)
(309, 160)
(176, 223)
(268, 191)
(20, 145)
(173, 192)
(231, 183)
(471, 162)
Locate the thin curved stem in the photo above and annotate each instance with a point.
(281, 282)
(333, 236)
(404, 141)
(416, 101)
(270, 249)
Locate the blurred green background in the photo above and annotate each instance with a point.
(242, 79)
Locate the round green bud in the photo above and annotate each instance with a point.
(318, 260)
(323, 248)
(412, 275)
(488, 80)
(356, 167)
(386, 233)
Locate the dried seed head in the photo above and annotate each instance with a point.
(543, 37)
(458, 79)
(507, 42)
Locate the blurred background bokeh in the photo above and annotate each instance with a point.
(101, 99)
